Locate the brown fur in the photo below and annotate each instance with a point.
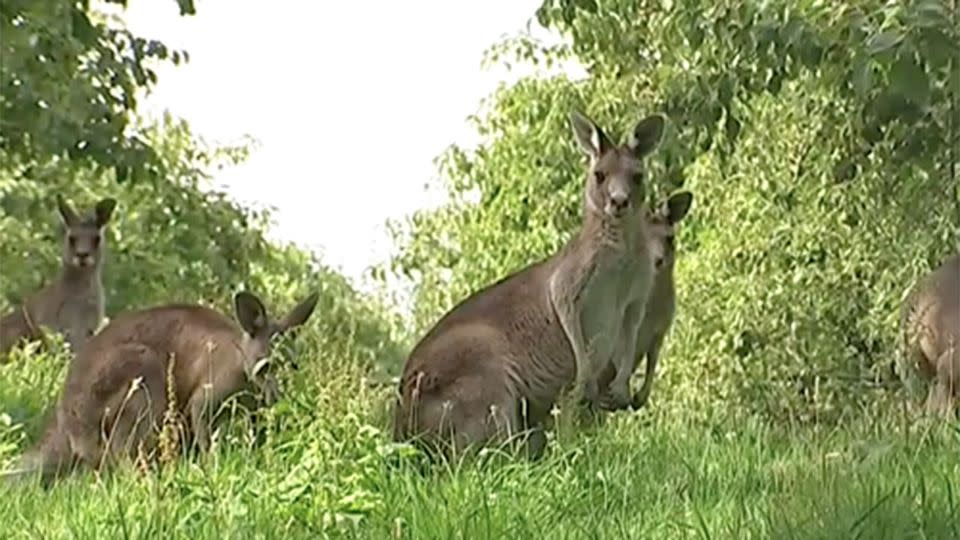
(492, 367)
(661, 306)
(606, 267)
(930, 325)
(116, 389)
(73, 303)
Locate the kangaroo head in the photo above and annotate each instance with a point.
(615, 179)
(661, 225)
(259, 329)
(83, 242)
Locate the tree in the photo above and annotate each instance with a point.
(69, 79)
(173, 240)
(819, 139)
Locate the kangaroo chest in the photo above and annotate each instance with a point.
(613, 286)
(79, 314)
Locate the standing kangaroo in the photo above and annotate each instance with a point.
(116, 391)
(492, 367)
(661, 306)
(74, 303)
(607, 267)
(930, 325)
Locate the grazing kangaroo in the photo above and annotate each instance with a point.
(491, 368)
(116, 390)
(661, 306)
(930, 325)
(74, 303)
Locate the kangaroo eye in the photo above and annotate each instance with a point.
(72, 240)
(599, 176)
(95, 241)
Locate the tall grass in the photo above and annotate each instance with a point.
(324, 467)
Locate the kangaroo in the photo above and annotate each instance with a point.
(116, 390)
(660, 309)
(606, 267)
(491, 368)
(930, 326)
(73, 304)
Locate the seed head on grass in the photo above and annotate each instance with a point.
(169, 442)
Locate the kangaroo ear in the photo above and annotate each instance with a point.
(104, 210)
(69, 217)
(250, 312)
(646, 135)
(592, 140)
(677, 206)
(301, 313)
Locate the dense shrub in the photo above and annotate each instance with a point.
(172, 239)
(820, 141)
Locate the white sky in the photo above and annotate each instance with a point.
(350, 103)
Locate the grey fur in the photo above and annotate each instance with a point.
(661, 306)
(73, 303)
(116, 390)
(492, 367)
(930, 326)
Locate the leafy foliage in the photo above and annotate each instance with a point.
(820, 141)
(69, 79)
(806, 228)
(170, 240)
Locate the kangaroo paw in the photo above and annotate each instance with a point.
(640, 399)
(614, 401)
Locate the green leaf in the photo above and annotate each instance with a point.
(811, 54)
(862, 77)
(543, 16)
(82, 29)
(939, 49)
(725, 90)
(931, 14)
(910, 79)
(954, 84)
(695, 36)
(883, 41)
(732, 127)
(793, 31)
(590, 6)
(187, 7)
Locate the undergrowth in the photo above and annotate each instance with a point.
(321, 465)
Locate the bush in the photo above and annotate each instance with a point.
(820, 145)
(170, 240)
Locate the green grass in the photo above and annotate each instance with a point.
(327, 469)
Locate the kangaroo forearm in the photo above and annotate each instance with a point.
(652, 358)
(653, 355)
(566, 290)
(630, 354)
(623, 359)
(573, 330)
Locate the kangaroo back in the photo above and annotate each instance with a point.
(117, 388)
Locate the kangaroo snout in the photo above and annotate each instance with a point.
(620, 199)
(619, 202)
(83, 259)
